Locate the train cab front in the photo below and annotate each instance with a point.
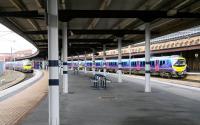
(179, 67)
(28, 68)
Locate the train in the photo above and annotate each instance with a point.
(22, 66)
(164, 66)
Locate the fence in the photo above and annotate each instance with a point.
(2, 67)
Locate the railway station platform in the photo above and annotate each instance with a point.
(121, 104)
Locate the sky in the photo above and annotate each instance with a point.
(9, 39)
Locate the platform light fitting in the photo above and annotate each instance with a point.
(171, 12)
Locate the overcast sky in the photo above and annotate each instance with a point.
(9, 39)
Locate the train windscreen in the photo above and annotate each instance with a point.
(180, 62)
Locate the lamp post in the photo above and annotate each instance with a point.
(12, 56)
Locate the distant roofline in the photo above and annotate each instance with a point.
(183, 34)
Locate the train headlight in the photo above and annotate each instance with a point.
(180, 73)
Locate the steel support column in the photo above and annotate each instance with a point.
(129, 60)
(93, 62)
(104, 60)
(119, 60)
(147, 58)
(85, 66)
(61, 62)
(72, 64)
(78, 67)
(65, 56)
(52, 11)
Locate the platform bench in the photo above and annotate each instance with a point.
(100, 80)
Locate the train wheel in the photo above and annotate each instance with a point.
(162, 74)
(168, 75)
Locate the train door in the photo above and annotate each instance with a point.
(157, 66)
(137, 65)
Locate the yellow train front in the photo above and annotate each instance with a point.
(22, 66)
(179, 67)
(27, 66)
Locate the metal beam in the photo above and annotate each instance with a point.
(115, 32)
(145, 15)
(22, 14)
(67, 15)
(107, 31)
(87, 40)
(82, 45)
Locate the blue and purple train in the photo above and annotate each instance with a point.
(164, 66)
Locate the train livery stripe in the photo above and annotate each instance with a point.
(53, 82)
(53, 63)
(65, 64)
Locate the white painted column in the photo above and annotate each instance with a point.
(65, 56)
(52, 11)
(85, 65)
(129, 59)
(72, 68)
(147, 58)
(119, 60)
(78, 67)
(104, 59)
(93, 62)
(61, 62)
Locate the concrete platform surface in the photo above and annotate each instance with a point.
(120, 104)
(14, 108)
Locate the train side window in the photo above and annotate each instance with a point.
(160, 63)
(123, 63)
(168, 62)
(142, 64)
(153, 64)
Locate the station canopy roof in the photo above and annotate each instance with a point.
(92, 23)
(183, 34)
